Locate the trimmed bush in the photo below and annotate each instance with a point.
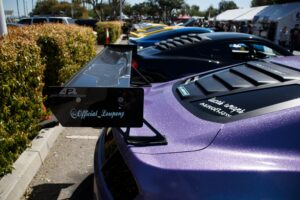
(64, 49)
(115, 30)
(31, 58)
(21, 75)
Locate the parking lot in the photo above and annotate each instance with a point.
(67, 172)
(188, 107)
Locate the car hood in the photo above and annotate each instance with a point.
(184, 131)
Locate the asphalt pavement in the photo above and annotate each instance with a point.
(67, 172)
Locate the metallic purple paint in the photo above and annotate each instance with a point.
(253, 158)
(292, 61)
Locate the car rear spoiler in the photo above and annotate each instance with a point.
(100, 95)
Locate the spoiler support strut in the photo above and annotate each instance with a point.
(158, 139)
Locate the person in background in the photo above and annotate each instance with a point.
(283, 37)
(250, 28)
(219, 27)
(243, 28)
(232, 27)
(225, 28)
(294, 37)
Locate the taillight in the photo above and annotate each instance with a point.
(134, 64)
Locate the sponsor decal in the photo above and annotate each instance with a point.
(83, 114)
(66, 91)
(221, 108)
(183, 91)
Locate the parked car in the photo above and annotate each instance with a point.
(231, 133)
(41, 20)
(139, 26)
(151, 31)
(150, 40)
(194, 53)
(12, 24)
(87, 22)
(146, 26)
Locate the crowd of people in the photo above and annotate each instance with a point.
(289, 39)
(243, 27)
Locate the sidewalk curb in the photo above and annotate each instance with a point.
(14, 185)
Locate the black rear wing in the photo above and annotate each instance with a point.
(100, 94)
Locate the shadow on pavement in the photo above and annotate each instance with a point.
(51, 191)
(84, 190)
(47, 191)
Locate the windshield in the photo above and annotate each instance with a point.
(71, 21)
(188, 22)
(154, 29)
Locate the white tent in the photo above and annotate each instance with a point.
(278, 12)
(248, 16)
(243, 14)
(268, 20)
(230, 15)
(279, 16)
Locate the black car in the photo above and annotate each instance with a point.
(150, 40)
(194, 53)
(87, 22)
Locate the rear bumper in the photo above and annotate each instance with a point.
(101, 191)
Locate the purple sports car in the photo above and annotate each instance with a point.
(228, 134)
(231, 133)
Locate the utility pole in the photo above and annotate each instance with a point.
(18, 9)
(120, 10)
(72, 10)
(3, 27)
(24, 8)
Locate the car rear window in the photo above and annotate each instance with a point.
(242, 91)
(56, 20)
(154, 29)
(39, 20)
(25, 21)
(71, 21)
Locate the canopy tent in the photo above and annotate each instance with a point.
(231, 15)
(277, 12)
(262, 13)
(249, 16)
(271, 20)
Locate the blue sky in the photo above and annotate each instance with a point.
(203, 4)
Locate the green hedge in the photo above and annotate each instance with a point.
(64, 49)
(29, 56)
(21, 75)
(115, 30)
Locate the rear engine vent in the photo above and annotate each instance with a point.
(179, 41)
(241, 91)
(246, 76)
